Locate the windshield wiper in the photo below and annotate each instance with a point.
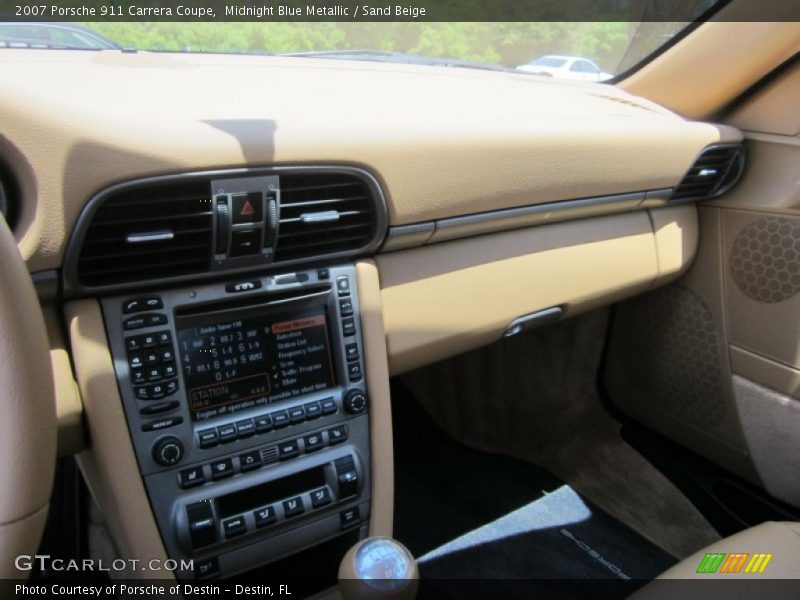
(17, 44)
(368, 54)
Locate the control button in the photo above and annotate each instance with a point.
(337, 435)
(208, 438)
(354, 372)
(351, 351)
(349, 517)
(221, 469)
(160, 424)
(155, 409)
(343, 286)
(168, 371)
(149, 340)
(293, 507)
(167, 355)
(168, 451)
(248, 208)
(201, 524)
(320, 497)
(265, 516)
(191, 477)
(132, 306)
(349, 326)
(153, 374)
(143, 392)
(289, 278)
(297, 414)
(134, 323)
(245, 428)
(242, 286)
(280, 419)
(245, 242)
(138, 377)
(347, 476)
(355, 402)
(288, 450)
(132, 344)
(227, 433)
(135, 361)
(152, 303)
(151, 358)
(157, 390)
(249, 461)
(164, 338)
(313, 410)
(269, 455)
(206, 569)
(345, 307)
(156, 319)
(171, 387)
(328, 406)
(348, 484)
(263, 424)
(234, 526)
(323, 274)
(313, 442)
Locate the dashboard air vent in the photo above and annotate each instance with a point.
(149, 232)
(713, 173)
(323, 213)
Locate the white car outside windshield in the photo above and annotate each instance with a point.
(565, 67)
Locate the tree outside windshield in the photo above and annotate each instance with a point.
(612, 46)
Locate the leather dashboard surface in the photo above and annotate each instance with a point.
(442, 142)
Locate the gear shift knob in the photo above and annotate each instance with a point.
(378, 568)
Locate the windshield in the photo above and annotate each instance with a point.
(600, 50)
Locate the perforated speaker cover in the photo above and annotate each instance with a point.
(671, 349)
(765, 260)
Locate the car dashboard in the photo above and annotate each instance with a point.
(243, 250)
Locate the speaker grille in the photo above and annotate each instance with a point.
(672, 354)
(765, 260)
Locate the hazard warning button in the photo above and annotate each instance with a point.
(248, 208)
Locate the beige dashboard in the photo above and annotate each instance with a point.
(442, 143)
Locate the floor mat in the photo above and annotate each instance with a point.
(534, 397)
(473, 515)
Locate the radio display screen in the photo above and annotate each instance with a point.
(232, 364)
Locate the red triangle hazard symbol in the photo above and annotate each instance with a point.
(247, 209)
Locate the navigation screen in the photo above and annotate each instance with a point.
(236, 364)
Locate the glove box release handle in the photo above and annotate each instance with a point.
(534, 319)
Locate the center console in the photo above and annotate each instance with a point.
(246, 403)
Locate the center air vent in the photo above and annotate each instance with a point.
(148, 232)
(164, 230)
(323, 213)
(713, 173)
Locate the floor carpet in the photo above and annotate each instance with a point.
(534, 397)
(478, 519)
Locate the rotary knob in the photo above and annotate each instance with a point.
(168, 451)
(355, 402)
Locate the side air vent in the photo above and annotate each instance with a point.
(324, 213)
(713, 173)
(148, 232)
